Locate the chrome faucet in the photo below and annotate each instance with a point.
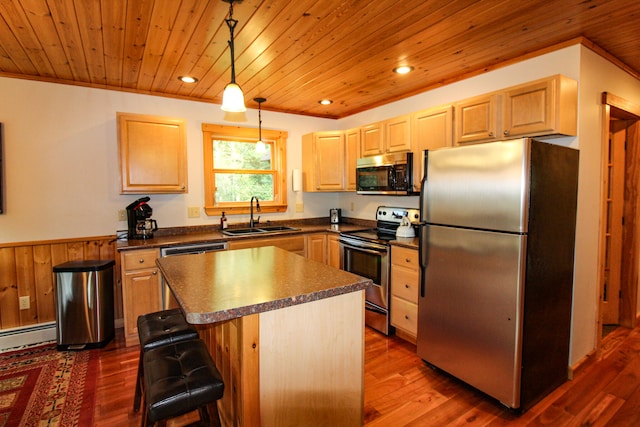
(251, 220)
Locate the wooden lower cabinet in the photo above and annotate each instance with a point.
(316, 247)
(141, 289)
(333, 250)
(299, 365)
(405, 284)
(234, 347)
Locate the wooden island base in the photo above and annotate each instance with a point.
(301, 365)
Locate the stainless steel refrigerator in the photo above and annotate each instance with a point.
(496, 249)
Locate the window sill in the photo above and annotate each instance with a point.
(244, 209)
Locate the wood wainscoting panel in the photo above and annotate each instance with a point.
(26, 269)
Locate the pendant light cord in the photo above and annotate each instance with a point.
(231, 23)
(260, 121)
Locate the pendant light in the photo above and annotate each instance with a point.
(260, 146)
(232, 97)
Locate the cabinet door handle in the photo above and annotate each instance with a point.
(406, 316)
(407, 260)
(406, 285)
(506, 132)
(155, 272)
(141, 261)
(491, 134)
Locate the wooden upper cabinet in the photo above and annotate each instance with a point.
(545, 107)
(352, 152)
(323, 161)
(548, 106)
(430, 129)
(388, 136)
(372, 139)
(477, 119)
(153, 154)
(397, 134)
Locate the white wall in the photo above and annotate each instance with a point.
(596, 76)
(61, 160)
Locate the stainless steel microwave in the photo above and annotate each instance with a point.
(385, 174)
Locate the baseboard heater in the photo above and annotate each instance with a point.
(27, 335)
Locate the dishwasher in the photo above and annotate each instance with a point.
(168, 301)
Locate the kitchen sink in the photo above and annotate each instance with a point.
(277, 228)
(257, 230)
(242, 231)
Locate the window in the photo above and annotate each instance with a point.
(236, 168)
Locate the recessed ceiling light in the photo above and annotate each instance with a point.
(403, 69)
(325, 102)
(187, 79)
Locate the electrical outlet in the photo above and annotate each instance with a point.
(299, 207)
(193, 212)
(25, 303)
(122, 215)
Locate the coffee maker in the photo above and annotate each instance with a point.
(139, 222)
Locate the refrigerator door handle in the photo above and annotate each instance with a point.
(422, 254)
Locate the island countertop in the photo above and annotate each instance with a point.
(217, 286)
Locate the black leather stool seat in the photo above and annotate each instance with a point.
(156, 330)
(164, 327)
(180, 378)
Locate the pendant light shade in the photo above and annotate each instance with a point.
(232, 97)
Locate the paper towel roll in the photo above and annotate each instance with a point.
(297, 180)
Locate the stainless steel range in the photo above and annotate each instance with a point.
(366, 253)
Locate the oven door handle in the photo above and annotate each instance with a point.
(366, 249)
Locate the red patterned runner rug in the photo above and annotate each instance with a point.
(40, 386)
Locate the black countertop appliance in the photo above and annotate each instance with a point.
(141, 226)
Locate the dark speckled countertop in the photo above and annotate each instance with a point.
(210, 234)
(217, 286)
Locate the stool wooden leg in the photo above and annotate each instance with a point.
(215, 415)
(138, 395)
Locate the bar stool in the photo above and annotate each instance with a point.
(159, 329)
(180, 378)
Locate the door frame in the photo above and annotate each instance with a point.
(616, 107)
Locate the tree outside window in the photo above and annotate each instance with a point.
(238, 167)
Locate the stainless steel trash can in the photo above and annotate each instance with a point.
(84, 304)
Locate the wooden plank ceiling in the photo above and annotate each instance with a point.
(294, 53)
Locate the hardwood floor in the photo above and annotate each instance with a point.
(400, 390)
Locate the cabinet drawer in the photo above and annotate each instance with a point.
(405, 257)
(404, 315)
(404, 284)
(135, 260)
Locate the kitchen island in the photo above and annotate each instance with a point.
(287, 334)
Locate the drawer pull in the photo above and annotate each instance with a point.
(141, 260)
(406, 285)
(407, 260)
(155, 272)
(406, 317)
